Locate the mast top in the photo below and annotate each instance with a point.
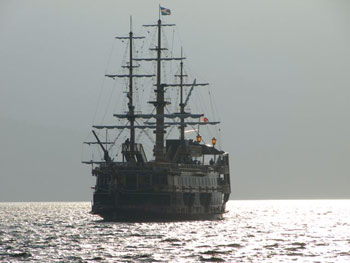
(130, 24)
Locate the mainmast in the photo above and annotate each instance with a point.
(158, 150)
(159, 146)
(160, 103)
(130, 95)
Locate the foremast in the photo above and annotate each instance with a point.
(130, 94)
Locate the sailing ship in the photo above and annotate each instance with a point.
(186, 178)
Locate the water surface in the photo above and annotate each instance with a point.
(252, 231)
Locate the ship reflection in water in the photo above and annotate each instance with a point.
(252, 231)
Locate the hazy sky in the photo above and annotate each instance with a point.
(279, 71)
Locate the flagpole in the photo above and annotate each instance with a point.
(159, 11)
(130, 23)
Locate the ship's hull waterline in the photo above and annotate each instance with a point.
(135, 215)
(172, 212)
(154, 194)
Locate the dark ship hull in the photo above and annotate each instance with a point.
(160, 192)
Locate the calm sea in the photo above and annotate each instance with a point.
(252, 231)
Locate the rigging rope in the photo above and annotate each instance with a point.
(115, 140)
(109, 101)
(102, 85)
(145, 132)
(172, 126)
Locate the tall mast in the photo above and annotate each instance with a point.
(130, 95)
(182, 105)
(159, 146)
(131, 108)
(158, 150)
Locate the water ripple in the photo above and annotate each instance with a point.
(252, 231)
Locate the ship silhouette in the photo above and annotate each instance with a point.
(186, 178)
